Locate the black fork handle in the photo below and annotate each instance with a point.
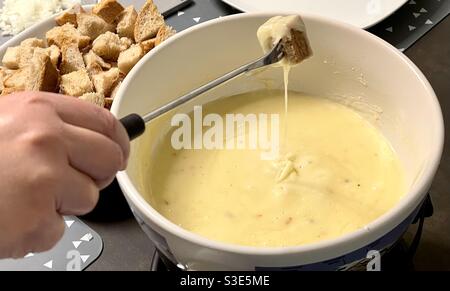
(134, 125)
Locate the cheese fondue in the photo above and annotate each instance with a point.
(336, 174)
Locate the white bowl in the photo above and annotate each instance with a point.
(350, 64)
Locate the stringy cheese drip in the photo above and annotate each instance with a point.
(269, 34)
(17, 15)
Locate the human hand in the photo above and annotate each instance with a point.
(56, 153)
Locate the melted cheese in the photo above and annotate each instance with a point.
(337, 173)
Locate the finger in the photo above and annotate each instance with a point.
(79, 195)
(102, 184)
(84, 114)
(92, 153)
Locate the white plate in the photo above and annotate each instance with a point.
(362, 13)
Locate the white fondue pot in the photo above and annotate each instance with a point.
(349, 65)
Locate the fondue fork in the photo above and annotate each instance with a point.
(135, 124)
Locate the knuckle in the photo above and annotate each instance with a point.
(32, 98)
(43, 136)
(90, 200)
(116, 158)
(44, 176)
(102, 184)
(108, 120)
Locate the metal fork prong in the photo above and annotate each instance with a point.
(277, 52)
(272, 57)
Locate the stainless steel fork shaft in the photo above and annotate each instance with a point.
(272, 57)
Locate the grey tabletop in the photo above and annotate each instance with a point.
(432, 55)
(127, 248)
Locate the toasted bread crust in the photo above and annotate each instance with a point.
(17, 80)
(65, 35)
(148, 22)
(130, 57)
(105, 82)
(164, 33)
(296, 48)
(55, 54)
(11, 58)
(126, 22)
(33, 42)
(47, 75)
(92, 26)
(148, 45)
(108, 10)
(76, 83)
(108, 46)
(94, 62)
(94, 98)
(69, 16)
(39, 75)
(72, 60)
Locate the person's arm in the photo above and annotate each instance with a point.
(56, 152)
